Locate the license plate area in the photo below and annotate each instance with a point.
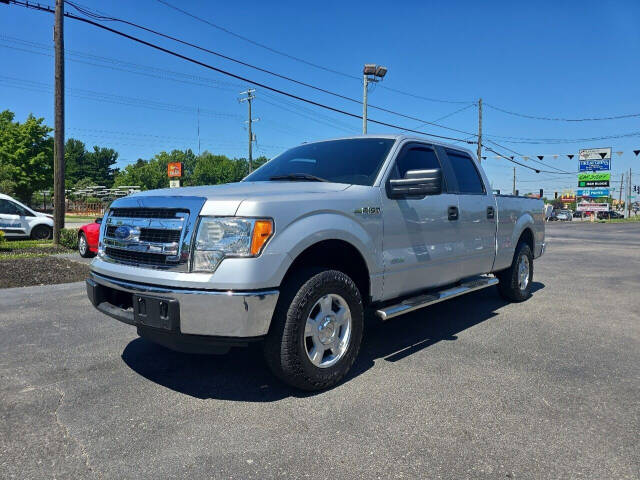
(157, 312)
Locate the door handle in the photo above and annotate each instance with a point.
(453, 213)
(491, 213)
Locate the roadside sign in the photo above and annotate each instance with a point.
(594, 153)
(592, 207)
(593, 192)
(594, 179)
(174, 169)
(174, 183)
(594, 159)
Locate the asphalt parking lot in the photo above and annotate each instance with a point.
(471, 388)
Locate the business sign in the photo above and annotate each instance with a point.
(594, 179)
(595, 165)
(594, 159)
(174, 183)
(594, 154)
(174, 169)
(593, 192)
(592, 207)
(568, 198)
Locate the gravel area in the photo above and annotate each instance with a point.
(23, 272)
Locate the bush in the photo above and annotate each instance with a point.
(69, 238)
(2, 238)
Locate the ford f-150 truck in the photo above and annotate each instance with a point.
(295, 254)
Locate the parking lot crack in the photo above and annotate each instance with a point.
(67, 434)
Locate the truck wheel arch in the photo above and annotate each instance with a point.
(337, 255)
(527, 237)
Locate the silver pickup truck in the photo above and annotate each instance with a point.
(295, 254)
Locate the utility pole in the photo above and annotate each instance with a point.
(198, 130)
(629, 197)
(249, 97)
(621, 188)
(480, 130)
(514, 180)
(58, 150)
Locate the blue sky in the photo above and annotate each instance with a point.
(570, 59)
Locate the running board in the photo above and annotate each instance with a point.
(414, 303)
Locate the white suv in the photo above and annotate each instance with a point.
(18, 220)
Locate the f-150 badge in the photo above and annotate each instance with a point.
(367, 211)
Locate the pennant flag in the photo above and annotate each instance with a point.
(537, 171)
(636, 152)
(511, 157)
(619, 153)
(555, 156)
(603, 154)
(540, 157)
(525, 158)
(484, 158)
(570, 156)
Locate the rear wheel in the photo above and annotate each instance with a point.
(83, 246)
(316, 331)
(515, 281)
(41, 232)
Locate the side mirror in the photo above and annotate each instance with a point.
(416, 183)
(99, 220)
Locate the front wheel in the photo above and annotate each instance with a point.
(515, 281)
(41, 232)
(316, 331)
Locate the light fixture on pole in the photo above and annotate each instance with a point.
(371, 73)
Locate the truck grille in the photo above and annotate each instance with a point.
(146, 237)
(125, 256)
(146, 212)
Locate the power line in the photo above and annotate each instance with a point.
(561, 119)
(533, 159)
(224, 72)
(546, 141)
(298, 59)
(264, 70)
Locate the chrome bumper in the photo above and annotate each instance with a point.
(199, 312)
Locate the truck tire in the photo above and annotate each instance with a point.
(41, 232)
(515, 281)
(316, 329)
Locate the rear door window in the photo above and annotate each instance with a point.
(469, 180)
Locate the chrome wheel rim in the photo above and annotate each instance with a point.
(523, 272)
(82, 245)
(327, 332)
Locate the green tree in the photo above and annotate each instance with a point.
(97, 165)
(102, 161)
(26, 155)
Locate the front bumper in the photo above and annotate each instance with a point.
(175, 311)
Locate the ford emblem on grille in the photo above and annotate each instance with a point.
(123, 232)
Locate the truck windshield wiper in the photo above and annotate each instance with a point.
(304, 177)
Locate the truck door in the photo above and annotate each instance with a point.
(420, 233)
(477, 215)
(12, 223)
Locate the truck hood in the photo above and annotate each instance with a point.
(225, 199)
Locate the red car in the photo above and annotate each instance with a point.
(88, 239)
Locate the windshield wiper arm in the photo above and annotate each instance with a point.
(305, 177)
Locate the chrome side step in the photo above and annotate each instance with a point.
(414, 303)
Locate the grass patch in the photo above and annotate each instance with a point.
(78, 219)
(11, 250)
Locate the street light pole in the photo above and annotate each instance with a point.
(364, 103)
(371, 73)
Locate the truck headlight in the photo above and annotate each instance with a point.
(221, 237)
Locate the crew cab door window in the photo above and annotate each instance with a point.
(415, 158)
(469, 180)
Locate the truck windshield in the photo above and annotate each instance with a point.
(353, 161)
